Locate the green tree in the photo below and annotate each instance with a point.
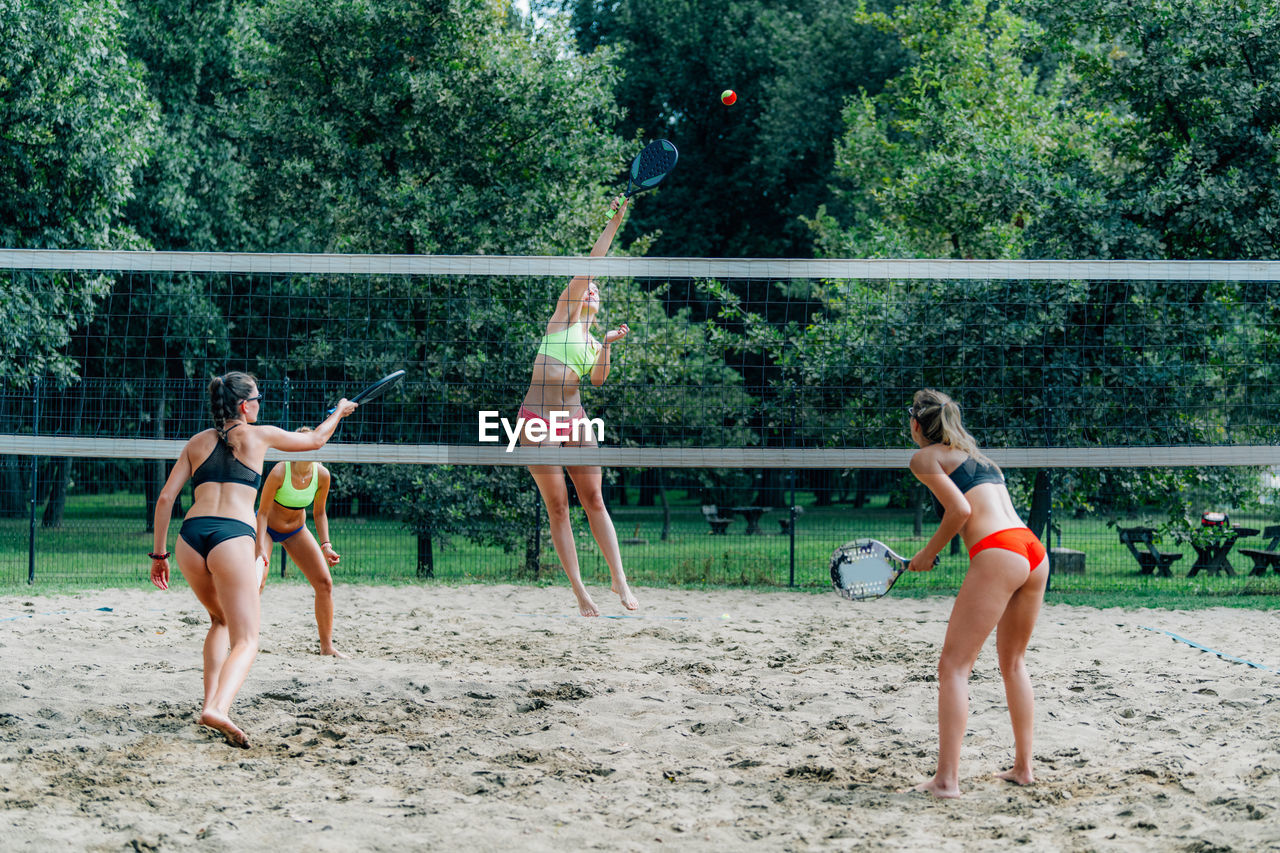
(747, 172)
(1198, 84)
(967, 153)
(423, 126)
(189, 195)
(74, 125)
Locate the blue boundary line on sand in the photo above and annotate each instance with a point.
(610, 616)
(1222, 655)
(56, 613)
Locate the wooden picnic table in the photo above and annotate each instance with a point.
(1213, 558)
(752, 515)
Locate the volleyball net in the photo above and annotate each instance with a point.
(772, 392)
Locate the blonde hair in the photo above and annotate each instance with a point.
(304, 461)
(940, 422)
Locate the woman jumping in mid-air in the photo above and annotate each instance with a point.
(568, 355)
(1002, 591)
(216, 546)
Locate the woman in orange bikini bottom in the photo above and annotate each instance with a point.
(1019, 540)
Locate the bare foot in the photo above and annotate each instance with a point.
(332, 651)
(629, 599)
(936, 788)
(1017, 777)
(229, 730)
(586, 606)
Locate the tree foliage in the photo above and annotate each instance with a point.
(423, 126)
(74, 124)
(967, 153)
(747, 172)
(190, 192)
(1197, 82)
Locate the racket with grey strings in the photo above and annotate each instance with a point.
(866, 568)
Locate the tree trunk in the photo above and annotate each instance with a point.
(54, 506)
(426, 557)
(861, 488)
(822, 487)
(11, 497)
(773, 491)
(917, 517)
(648, 487)
(666, 508)
(533, 551)
(1041, 501)
(59, 474)
(154, 477)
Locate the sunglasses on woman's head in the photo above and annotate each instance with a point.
(253, 399)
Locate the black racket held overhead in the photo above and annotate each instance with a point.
(866, 568)
(654, 162)
(377, 389)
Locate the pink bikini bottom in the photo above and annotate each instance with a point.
(566, 430)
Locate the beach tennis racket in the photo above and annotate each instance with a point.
(866, 568)
(377, 389)
(654, 162)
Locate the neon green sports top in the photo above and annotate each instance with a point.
(572, 348)
(293, 498)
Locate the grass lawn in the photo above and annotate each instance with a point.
(103, 543)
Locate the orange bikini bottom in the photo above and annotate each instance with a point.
(1019, 540)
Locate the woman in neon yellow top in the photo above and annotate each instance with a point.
(282, 517)
(567, 355)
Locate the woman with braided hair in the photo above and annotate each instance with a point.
(217, 544)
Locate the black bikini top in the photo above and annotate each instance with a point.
(968, 474)
(222, 466)
(971, 472)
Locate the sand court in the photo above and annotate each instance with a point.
(488, 717)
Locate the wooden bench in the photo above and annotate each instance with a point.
(719, 524)
(1151, 560)
(1268, 557)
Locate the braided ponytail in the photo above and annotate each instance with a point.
(225, 394)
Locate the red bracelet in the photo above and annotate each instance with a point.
(163, 556)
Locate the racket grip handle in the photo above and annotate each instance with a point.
(620, 198)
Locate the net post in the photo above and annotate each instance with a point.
(791, 528)
(791, 502)
(286, 402)
(1048, 530)
(35, 470)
